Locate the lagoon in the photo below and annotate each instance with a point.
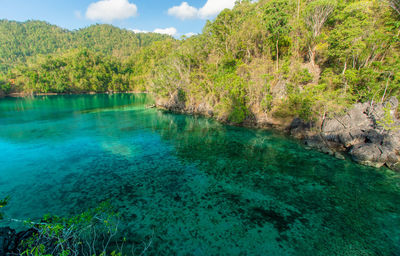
(195, 186)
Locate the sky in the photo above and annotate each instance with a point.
(173, 17)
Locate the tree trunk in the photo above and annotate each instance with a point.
(311, 53)
(277, 54)
(387, 85)
(345, 68)
(345, 80)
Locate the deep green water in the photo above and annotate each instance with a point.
(202, 188)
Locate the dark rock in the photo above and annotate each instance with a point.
(374, 136)
(395, 167)
(392, 141)
(299, 129)
(332, 125)
(359, 133)
(367, 154)
(332, 137)
(6, 239)
(346, 139)
(392, 158)
(318, 142)
(10, 241)
(314, 141)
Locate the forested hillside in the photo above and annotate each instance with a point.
(75, 71)
(22, 40)
(279, 58)
(286, 58)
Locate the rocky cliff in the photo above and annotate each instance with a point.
(369, 133)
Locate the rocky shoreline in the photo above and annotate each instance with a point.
(360, 133)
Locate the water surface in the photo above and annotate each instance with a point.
(196, 186)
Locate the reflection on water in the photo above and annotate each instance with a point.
(200, 187)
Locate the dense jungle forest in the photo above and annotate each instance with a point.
(287, 58)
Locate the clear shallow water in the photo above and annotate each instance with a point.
(200, 187)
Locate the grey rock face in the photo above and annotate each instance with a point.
(360, 134)
(368, 154)
(175, 104)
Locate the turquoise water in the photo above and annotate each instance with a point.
(195, 186)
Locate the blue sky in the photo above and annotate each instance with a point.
(184, 17)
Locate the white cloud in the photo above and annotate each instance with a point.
(184, 11)
(211, 9)
(139, 31)
(214, 7)
(190, 34)
(109, 10)
(167, 31)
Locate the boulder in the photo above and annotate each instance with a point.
(359, 133)
(332, 125)
(392, 141)
(374, 136)
(317, 142)
(395, 167)
(6, 240)
(368, 154)
(298, 128)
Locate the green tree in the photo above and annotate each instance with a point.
(277, 14)
(316, 15)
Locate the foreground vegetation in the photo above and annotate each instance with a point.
(282, 58)
(94, 232)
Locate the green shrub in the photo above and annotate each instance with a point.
(5, 87)
(387, 122)
(3, 203)
(302, 77)
(238, 113)
(93, 233)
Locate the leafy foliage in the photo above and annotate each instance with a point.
(74, 71)
(387, 122)
(22, 40)
(91, 233)
(3, 203)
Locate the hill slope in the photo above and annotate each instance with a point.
(21, 40)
